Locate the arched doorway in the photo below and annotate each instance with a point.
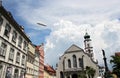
(74, 76)
(61, 75)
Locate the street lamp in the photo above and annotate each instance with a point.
(107, 73)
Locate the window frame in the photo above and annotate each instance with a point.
(7, 30)
(25, 46)
(23, 60)
(74, 61)
(11, 54)
(18, 57)
(20, 41)
(14, 36)
(80, 62)
(3, 49)
(69, 63)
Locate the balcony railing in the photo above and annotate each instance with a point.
(73, 69)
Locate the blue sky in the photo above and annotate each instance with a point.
(66, 22)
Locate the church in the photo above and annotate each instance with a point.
(77, 62)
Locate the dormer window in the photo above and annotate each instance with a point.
(7, 30)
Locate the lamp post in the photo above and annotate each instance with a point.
(104, 58)
(107, 73)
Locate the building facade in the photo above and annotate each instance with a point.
(49, 72)
(40, 49)
(75, 61)
(30, 61)
(13, 46)
(36, 64)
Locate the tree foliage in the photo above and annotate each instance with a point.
(116, 64)
(90, 72)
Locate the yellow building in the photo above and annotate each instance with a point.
(49, 72)
(46, 74)
(30, 61)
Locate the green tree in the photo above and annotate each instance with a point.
(90, 72)
(82, 74)
(116, 65)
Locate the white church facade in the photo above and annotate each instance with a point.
(75, 61)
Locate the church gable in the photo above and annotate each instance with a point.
(73, 48)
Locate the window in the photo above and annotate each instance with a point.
(14, 37)
(80, 62)
(18, 57)
(23, 60)
(69, 63)
(20, 41)
(3, 49)
(11, 54)
(8, 72)
(16, 73)
(25, 46)
(74, 61)
(7, 30)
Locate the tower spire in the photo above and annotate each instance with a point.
(87, 43)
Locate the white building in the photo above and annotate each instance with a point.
(75, 61)
(13, 46)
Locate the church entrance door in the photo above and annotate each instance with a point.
(74, 76)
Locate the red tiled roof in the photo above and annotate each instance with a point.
(117, 54)
(49, 69)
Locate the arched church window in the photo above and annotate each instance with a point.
(80, 62)
(74, 61)
(69, 63)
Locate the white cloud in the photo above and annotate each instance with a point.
(68, 20)
(64, 33)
